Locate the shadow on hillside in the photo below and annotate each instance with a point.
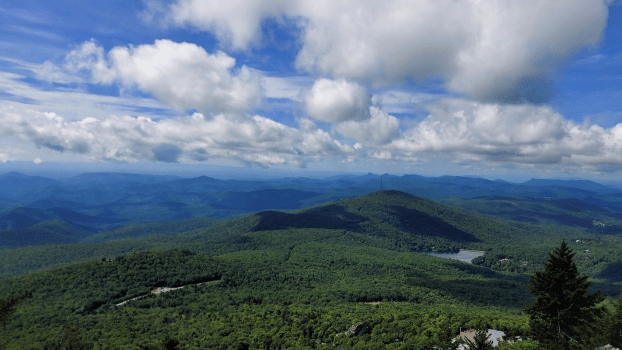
(497, 289)
(325, 217)
(483, 293)
(417, 222)
(487, 272)
(613, 272)
(607, 289)
(608, 230)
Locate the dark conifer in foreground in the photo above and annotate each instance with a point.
(563, 314)
(615, 328)
(480, 341)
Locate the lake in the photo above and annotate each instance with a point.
(464, 255)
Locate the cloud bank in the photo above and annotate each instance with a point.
(495, 51)
(456, 130)
(497, 58)
(497, 133)
(256, 140)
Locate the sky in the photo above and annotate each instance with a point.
(494, 88)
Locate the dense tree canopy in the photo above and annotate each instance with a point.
(563, 313)
(300, 280)
(615, 325)
(8, 306)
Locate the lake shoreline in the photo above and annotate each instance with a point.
(464, 255)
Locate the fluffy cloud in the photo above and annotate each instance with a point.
(51, 73)
(523, 134)
(90, 58)
(520, 43)
(380, 129)
(383, 41)
(499, 50)
(255, 140)
(348, 106)
(456, 129)
(337, 101)
(380, 155)
(182, 75)
(236, 22)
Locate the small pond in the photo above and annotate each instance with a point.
(464, 255)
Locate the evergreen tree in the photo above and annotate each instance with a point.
(480, 341)
(563, 315)
(615, 327)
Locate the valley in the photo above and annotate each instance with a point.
(317, 257)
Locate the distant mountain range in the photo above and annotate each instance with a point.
(98, 202)
(386, 219)
(306, 257)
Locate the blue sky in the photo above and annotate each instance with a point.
(512, 88)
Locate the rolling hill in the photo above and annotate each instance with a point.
(293, 279)
(388, 219)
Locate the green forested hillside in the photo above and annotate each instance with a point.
(286, 297)
(52, 231)
(151, 228)
(572, 212)
(388, 219)
(291, 280)
(98, 200)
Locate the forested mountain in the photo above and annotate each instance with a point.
(388, 219)
(116, 179)
(97, 202)
(16, 187)
(578, 184)
(295, 279)
(276, 298)
(25, 217)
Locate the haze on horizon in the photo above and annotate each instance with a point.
(506, 89)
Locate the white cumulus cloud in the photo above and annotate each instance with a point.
(256, 140)
(182, 75)
(337, 101)
(520, 134)
(236, 22)
(520, 43)
(497, 50)
(380, 129)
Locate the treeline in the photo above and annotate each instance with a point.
(296, 296)
(305, 295)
